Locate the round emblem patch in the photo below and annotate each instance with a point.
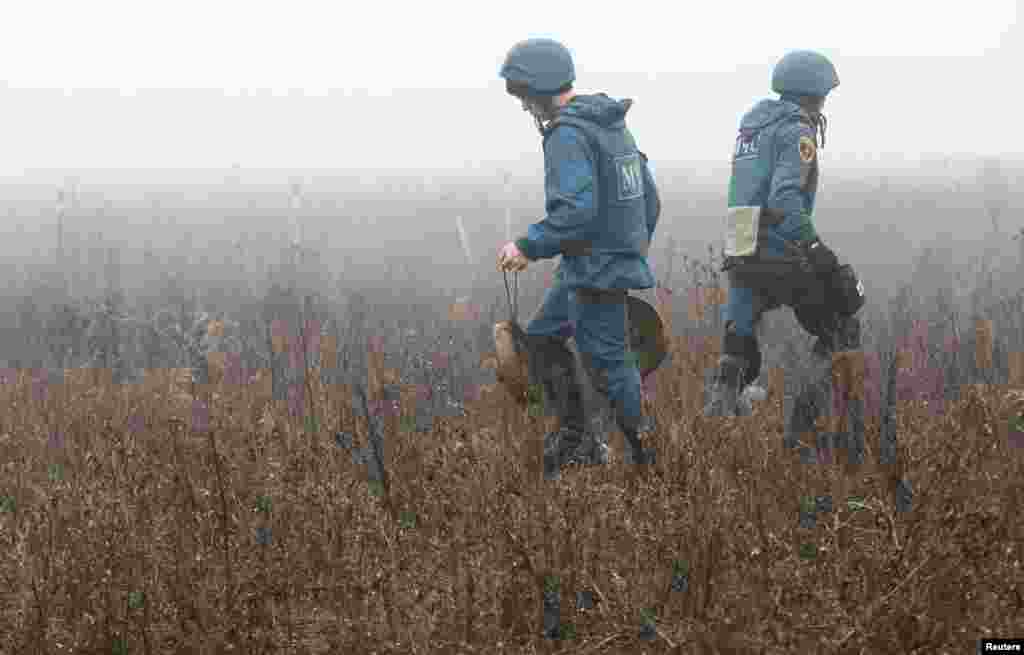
(807, 149)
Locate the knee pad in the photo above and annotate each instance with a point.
(745, 348)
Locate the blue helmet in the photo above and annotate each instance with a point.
(538, 67)
(804, 73)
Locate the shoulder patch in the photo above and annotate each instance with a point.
(808, 149)
(629, 171)
(748, 145)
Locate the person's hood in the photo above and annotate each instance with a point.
(768, 111)
(597, 108)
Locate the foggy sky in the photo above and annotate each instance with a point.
(388, 85)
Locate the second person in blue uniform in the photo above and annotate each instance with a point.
(774, 256)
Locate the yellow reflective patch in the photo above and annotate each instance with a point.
(741, 225)
(808, 149)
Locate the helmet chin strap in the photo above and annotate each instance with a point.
(541, 124)
(821, 123)
(817, 117)
(540, 117)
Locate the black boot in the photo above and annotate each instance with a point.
(727, 393)
(560, 449)
(553, 368)
(812, 399)
(635, 451)
(632, 426)
(632, 430)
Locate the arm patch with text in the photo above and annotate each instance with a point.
(630, 176)
(748, 145)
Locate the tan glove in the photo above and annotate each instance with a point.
(511, 259)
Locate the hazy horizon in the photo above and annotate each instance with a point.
(195, 119)
(120, 86)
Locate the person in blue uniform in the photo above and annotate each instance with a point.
(602, 207)
(773, 254)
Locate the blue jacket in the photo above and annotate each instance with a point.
(601, 201)
(775, 166)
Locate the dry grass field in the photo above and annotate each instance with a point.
(170, 518)
(155, 514)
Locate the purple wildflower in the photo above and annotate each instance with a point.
(664, 294)
(439, 360)
(200, 416)
(56, 440)
(136, 423)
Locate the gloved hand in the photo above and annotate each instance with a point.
(511, 259)
(822, 259)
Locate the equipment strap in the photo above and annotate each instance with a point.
(512, 295)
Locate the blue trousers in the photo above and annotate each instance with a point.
(599, 324)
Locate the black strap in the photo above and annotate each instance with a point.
(592, 296)
(795, 260)
(771, 217)
(512, 296)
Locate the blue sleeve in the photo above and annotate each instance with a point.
(652, 197)
(569, 192)
(791, 173)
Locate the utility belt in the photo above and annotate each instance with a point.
(593, 296)
(846, 292)
(794, 260)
